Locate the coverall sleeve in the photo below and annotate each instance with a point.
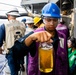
(2, 34)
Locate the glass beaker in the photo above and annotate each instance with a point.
(45, 57)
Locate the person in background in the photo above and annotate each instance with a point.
(62, 27)
(30, 44)
(38, 22)
(24, 21)
(9, 33)
(30, 25)
(72, 55)
(69, 42)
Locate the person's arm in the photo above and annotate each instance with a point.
(2, 36)
(27, 40)
(42, 36)
(22, 46)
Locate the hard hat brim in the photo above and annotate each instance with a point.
(54, 16)
(29, 22)
(13, 14)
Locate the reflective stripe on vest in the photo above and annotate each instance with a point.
(61, 28)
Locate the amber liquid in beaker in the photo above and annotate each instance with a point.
(45, 60)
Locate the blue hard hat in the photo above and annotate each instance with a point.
(23, 20)
(51, 10)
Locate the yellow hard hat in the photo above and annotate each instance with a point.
(36, 20)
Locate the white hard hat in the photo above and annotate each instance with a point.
(13, 12)
(29, 20)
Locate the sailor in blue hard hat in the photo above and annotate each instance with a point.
(51, 14)
(40, 63)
